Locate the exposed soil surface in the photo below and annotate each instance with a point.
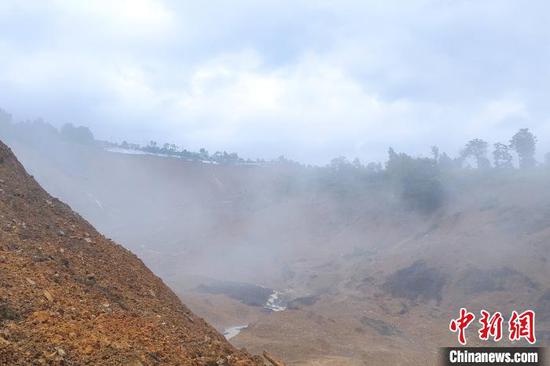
(69, 296)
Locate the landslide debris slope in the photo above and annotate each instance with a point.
(69, 296)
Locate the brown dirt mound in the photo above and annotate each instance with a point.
(69, 296)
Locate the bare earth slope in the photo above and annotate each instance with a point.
(70, 296)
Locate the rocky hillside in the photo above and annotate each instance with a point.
(70, 296)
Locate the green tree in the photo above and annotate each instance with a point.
(340, 163)
(477, 148)
(417, 180)
(524, 144)
(80, 134)
(204, 154)
(502, 156)
(152, 147)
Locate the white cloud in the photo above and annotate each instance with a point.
(309, 80)
(121, 18)
(311, 104)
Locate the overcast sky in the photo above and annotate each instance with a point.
(311, 80)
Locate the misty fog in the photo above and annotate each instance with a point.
(413, 232)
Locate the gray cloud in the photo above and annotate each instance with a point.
(311, 80)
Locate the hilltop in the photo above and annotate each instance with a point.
(68, 295)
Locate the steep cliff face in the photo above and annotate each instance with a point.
(68, 295)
